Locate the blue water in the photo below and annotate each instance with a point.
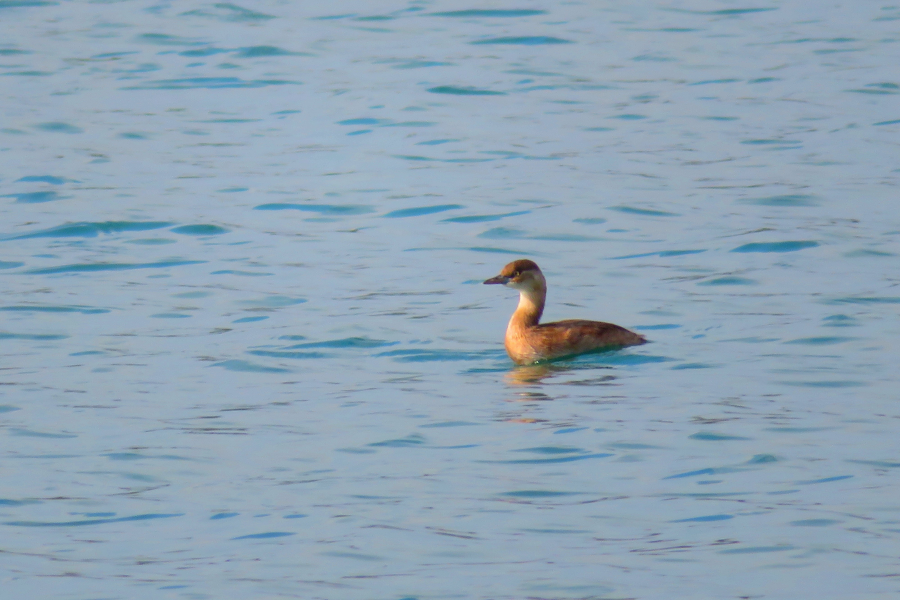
(246, 352)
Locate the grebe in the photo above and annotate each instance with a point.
(527, 341)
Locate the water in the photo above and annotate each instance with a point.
(246, 352)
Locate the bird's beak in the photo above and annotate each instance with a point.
(498, 279)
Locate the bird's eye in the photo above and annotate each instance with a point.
(515, 274)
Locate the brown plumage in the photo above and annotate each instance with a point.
(528, 341)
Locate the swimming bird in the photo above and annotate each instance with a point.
(528, 341)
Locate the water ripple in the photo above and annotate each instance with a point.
(31, 336)
(541, 461)
(535, 40)
(192, 83)
(244, 366)
(82, 522)
(484, 12)
(647, 212)
(288, 354)
(91, 229)
(225, 11)
(421, 210)
(264, 536)
(485, 218)
(199, 230)
(96, 267)
(351, 342)
(787, 200)
(323, 209)
(85, 310)
(463, 91)
(776, 246)
(421, 355)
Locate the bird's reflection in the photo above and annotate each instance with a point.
(532, 375)
(536, 375)
(530, 386)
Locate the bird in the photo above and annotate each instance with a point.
(529, 341)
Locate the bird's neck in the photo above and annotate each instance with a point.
(531, 306)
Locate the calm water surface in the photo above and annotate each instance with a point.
(245, 348)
